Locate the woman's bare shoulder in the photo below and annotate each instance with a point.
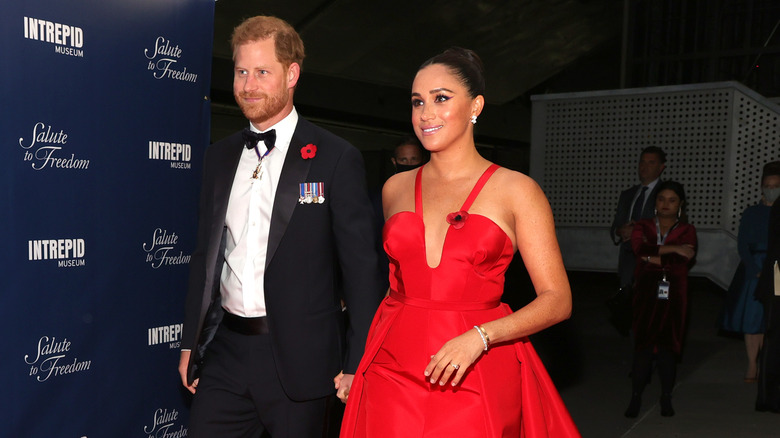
(398, 182)
(398, 191)
(512, 182)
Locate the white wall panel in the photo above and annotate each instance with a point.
(585, 148)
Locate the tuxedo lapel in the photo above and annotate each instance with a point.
(223, 184)
(294, 172)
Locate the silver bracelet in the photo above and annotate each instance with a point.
(484, 341)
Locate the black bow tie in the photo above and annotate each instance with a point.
(251, 138)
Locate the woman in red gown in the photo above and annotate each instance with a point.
(664, 247)
(444, 356)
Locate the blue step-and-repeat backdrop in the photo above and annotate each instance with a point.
(105, 118)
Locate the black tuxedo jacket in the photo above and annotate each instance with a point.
(318, 254)
(626, 262)
(765, 290)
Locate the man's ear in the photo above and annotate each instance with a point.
(293, 73)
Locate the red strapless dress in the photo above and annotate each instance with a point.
(505, 393)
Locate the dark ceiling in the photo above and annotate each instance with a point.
(362, 54)
(361, 57)
(522, 42)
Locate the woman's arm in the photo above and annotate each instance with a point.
(682, 251)
(748, 236)
(647, 249)
(534, 232)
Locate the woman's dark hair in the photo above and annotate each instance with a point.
(465, 65)
(770, 169)
(678, 189)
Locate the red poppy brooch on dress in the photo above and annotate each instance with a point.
(308, 151)
(457, 219)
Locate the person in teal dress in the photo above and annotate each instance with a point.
(743, 313)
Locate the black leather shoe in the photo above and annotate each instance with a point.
(666, 405)
(766, 407)
(633, 407)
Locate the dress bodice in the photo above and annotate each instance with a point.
(505, 393)
(475, 255)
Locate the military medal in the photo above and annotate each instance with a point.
(302, 193)
(318, 192)
(258, 173)
(311, 193)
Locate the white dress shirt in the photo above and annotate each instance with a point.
(248, 221)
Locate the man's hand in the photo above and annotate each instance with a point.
(343, 383)
(184, 359)
(625, 231)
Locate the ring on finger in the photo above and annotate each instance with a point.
(454, 365)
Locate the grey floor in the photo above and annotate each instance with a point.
(590, 361)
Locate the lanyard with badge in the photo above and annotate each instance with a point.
(663, 285)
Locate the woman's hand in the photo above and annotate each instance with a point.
(454, 358)
(343, 383)
(686, 250)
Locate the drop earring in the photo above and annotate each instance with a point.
(473, 119)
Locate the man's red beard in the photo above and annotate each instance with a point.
(266, 108)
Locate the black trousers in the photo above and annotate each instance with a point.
(239, 394)
(626, 264)
(642, 368)
(768, 398)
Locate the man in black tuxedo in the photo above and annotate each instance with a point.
(284, 236)
(636, 202)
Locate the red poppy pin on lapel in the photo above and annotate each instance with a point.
(308, 151)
